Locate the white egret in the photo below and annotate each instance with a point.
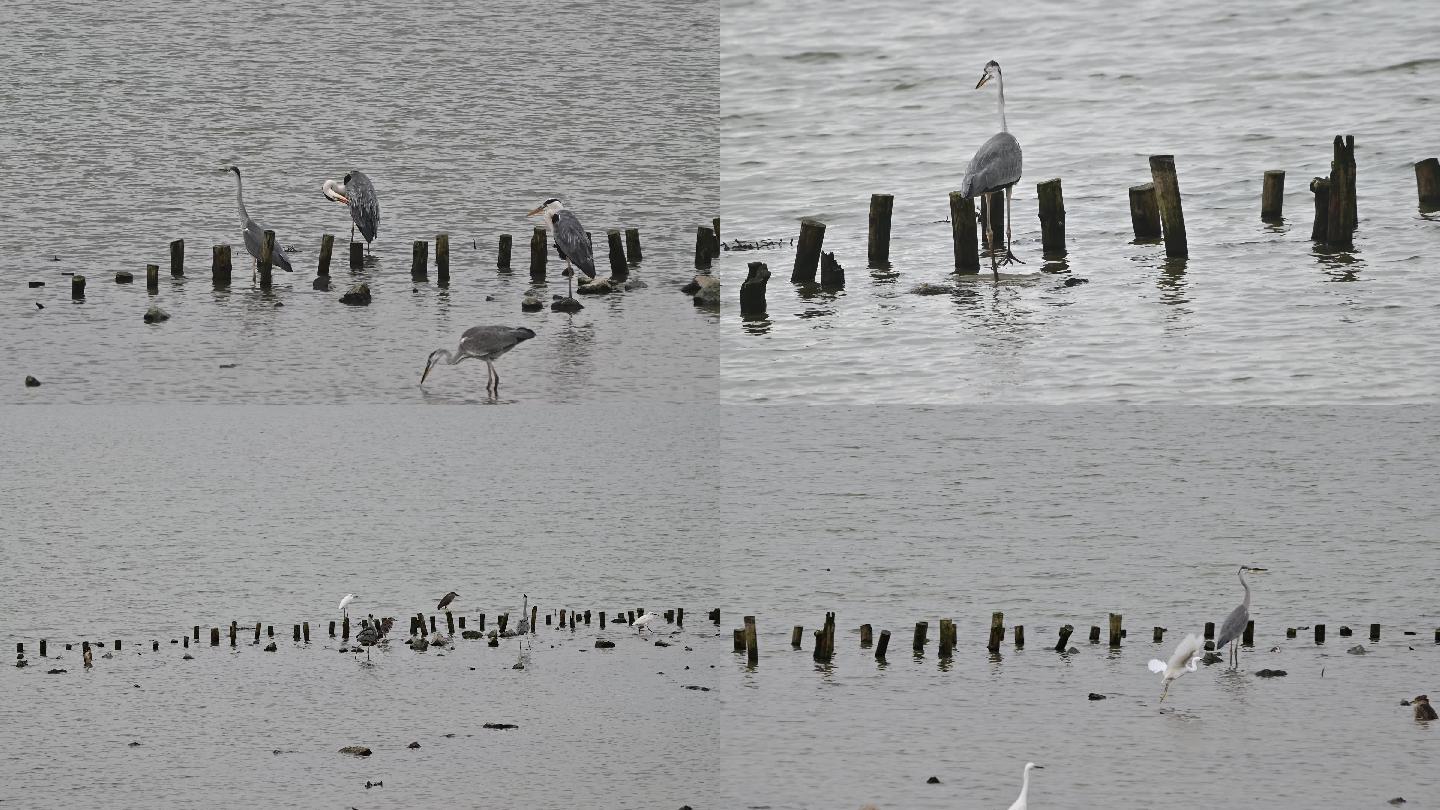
(345, 603)
(1186, 658)
(1023, 801)
(642, 622)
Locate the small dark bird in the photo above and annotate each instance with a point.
(446, 600)
(1423, 709)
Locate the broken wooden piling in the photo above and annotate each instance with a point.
(1272, 196)
(1052, 218)
(1427, 182)
(878, 245)
(538, 249)
(1319, 634)
(752, 644)
(1019, 635)
(831, 273)
(1065, 632)
(152, 278)
(327, 247)
(715, 238)
(177, 258)
(1340, 216)
(357, 255)
(962, 233)
(704, 242)
(752, 290)
(619, 265)
(632, 245)
(419, 260)
(796, 633)
(1167, 196)
(77, 288)
(442, 259)
(865, 635)
(220, 266)
(997, 631)
(1320, 187)
(267, 258)
(1144, 212)
(807, 251)
(1115, 622)
(921, 629)
(502, 259)
(884, 643)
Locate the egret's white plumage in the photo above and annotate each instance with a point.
(642, 622)
(345, 603)
(1186, 658)
(1023, 802)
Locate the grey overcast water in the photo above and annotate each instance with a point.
(825, 103)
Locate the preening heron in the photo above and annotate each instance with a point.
(1023, 801)
(995, 167)
(446, 600)
(1235, 623)
(642, 622)
(570, 240)
(1186, 658)
(254, 232)
(482, 343)
(345, 603)
(358, 192)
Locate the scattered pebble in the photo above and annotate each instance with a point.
(356, 750)
(1213, 658)
(1271, 673)
(1358, 649)
(662, 644)
(321, 283)
(187, 657)
(31, 382)
(222, 365)
(156, 315)
(707, 291)
(39, 305)
(934, 780)
(1096, 696)
(932, 289)
(413, 745)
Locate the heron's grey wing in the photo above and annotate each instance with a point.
(996, 165)
(570, 239)
(489, 341)
(255, 240)
(364, 205)
(1232, 628)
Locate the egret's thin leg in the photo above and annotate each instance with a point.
(1164, 691)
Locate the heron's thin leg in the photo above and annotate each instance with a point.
(989, 243)
(1009, 254)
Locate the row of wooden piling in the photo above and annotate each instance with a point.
(747, 642)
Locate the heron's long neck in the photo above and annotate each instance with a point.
(1244, 585)
(1000, 78)
(450, 359)
(240, 197)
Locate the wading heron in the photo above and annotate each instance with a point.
(254, 231)
(1235, 623)
(642, 622)
(1023, 801)
(446, 600)
(995, 168)
(570, 240)
(1186, 658)
(482, 343)
(358, 192)
(345, 603)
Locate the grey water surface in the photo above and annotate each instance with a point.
(826, 103)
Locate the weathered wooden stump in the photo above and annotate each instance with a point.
(704, 244)
(502, 259)
(962, 231)
(878, 247)
(1320, 187)
(997, 631)
(1340, 218)
(752, 290)
(1427, 182)
(177, 258)
(1272, 196)
(1167, 195)
(883, 644)
(327, 247)
(419, 260)
(632, 245)
(1144, 212)
(1115, 622)
(921, 629)
(357, 255)
(1052, 218)
(77, 288)
(267, 257)
(538, 249)
(619, 266)
(831, 273)
(219, 266)
(442, 259)
(807, 251)
(1064, 638)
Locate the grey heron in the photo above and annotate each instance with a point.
(1023, 801)
(995, 168)
(642, 622)
(358, 192)
(446, 600)
(1235, 623)
(483, 343)
(345, 603)
(523, 626)
(1186, 658)
(254, 231)
(570, 240)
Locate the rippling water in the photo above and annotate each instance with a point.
(117, 121)
(824, 104)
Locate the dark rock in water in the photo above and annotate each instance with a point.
(356, 750)
(1076, 281)
(419, 644)
(35, 284)
(1096, 696)
(1398, 800)
(321, 283)
(566, 305)
(108, 655)
(222, 365)
(519, 665)
(156, 315)
(470, 634)
(187, 657)
(934, 780)
(1072, 650)
(698, 688)
(369, 785)
(531, 304)
(357, 296)
(662, 644)
(489, 298)
(134, 745)
(501, 726)
(451, 734)
(600, 286)
(22, 663)
(932, 289)
(124, 277)
(1357, 650)
(707, 291)
(691, 288)
(39, 305)
(55, 672)
(634, 284)
(603, 644)
(413, 745)
(31, 382)
(1212, 658)
(1271, 673)
(270, 647)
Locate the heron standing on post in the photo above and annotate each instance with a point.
(570, 240)
(254, 232)
(358, 192)
(483, 343)
(1235, 623)
(446, 600)
(995, 167)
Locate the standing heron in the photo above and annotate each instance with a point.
(254, 231)
(1186, 658)
(446, 600)
(345, 603)
(1023, 801)
(1235, 623)
(484, 343)
(358, 192)
(995, 167)
(570, 240)
(523, 626)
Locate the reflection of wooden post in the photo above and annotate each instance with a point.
(807, 251)
(1167, 194)
(962, 232)
(1272, 196)
(1052, 218)
(1144, 212)
(879, 244)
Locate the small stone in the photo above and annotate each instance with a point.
(356, 750)
(691, 288)
(518, 665)
(1076, 281)
(600, 286)
(222, 365)
(123, 277)
(156, 315)
(35, 284)
(31, 382)
(1096, 696)
(357, 296)
(531, 304)
(187, 657)
(134, 745)
(1271, 673)
(566, 305)
(108, 655)
(1073, 650)
(369, 785)
(662, 644)
(707, 293)
(489, 298)
(698, 688)
(270, 647)
(22, 663)
(1398, 800)
(927, 288)
(603, 644)
(500, 726)
(39, 305)
(321, 283)
(55, 672)
(934, 780)
(1357, 650)
(1212, 658)
(413, 745)
(419, 644)
(1345, 631)
(470, 634)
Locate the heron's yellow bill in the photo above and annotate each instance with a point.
(985, 77)
(426, 372)
(536, 211)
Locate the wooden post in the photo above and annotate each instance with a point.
(879, 245)
(1094, 634)
(1427, 182)
(715, 235)
(885, 642)
(502, 260)
(831, 273)
(449, 622)
(1064, 638)
(1167, 195)
(219, 266)
(1289, 632)
(42, 648)
(197, 632)
(1319, 634)
(327, 247)
(419, 260)
(795, 635)
(562, 617)
(944, 638)
(1158, 635)
(117, 644)
(1320, 187)
(739, 639)
(442, 259)
(630, 616)
(619, 267)
(1209, 630)
(234, 630)
(267, 257)
(602, 620)
(214, 637)
(77, 288)
(997, 631)
(962, 233)
(534, 617)
(152, 278)
(807, 252)
(305, 628)
(1144, 212)
(345, 629)
(297, 634)
(1115, 629)
(357, 255)
(1272, 196)
(538, 248)
(679, 616)
(921, 629)
(1340, 219)
(257, 632)
(995, 214)
(482, 622)
(704, 241)
(1052, 218)
(1247, 637)
(752, 289)
(432, 625)
(865, 635)
(332, 628)
(632, 245)
(549, 619)
(715, 616)
(177, 258)
(1374, 632)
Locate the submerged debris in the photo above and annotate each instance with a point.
(359, 295)
(500, 726)
(356, 750)
(1271, 673)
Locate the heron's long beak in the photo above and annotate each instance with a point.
(426, 373)
(536, 211)
(984, 77)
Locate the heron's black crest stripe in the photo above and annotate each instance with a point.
(347, 178)
(551, 200)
